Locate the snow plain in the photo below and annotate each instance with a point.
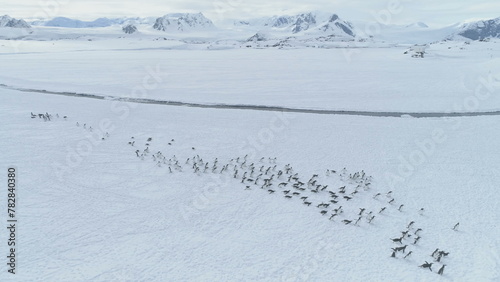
(377, 79)
(107, 215)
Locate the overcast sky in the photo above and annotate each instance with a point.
(432, 12)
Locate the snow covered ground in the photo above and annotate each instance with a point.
(378, 79)
(91, 209)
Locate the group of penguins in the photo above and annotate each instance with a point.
(46, 116)
(90, 129)
(49, 117)
(331, 201)
(265, 174)
(412, 236)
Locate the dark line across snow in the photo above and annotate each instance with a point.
(262, 107)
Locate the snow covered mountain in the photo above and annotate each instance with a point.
(309, 23)
(481, 29)
(100, 22)
(129, 29)
(183, 22)
(6, 21)
(336, 25)
(303, 22)
(72, 23)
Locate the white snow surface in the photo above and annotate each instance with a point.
(114, 217)
(200, 70)
(90, 210)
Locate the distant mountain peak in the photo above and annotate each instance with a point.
(481, 29)
(183, 22)
(129, 29)
(6, 21)
(303, 22)
(418, 25)
(337, 26)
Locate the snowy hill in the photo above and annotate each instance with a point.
(481, 29)
(129, 29)
(183, 22)
(417, 25)
(6, 21)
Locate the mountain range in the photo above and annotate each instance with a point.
(6, 21)
(311, 23)
(100, 22)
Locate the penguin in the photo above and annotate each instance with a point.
(359, 218)
(370, 220)
(427, 265)
(433, 253)
(440, 271)
(410, 224)
(416, 240)
(397, 240)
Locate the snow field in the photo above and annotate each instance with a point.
(117, 217)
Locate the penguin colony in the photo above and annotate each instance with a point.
(409, 238)
(46, 116)
(336, 204)
(50, 117)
